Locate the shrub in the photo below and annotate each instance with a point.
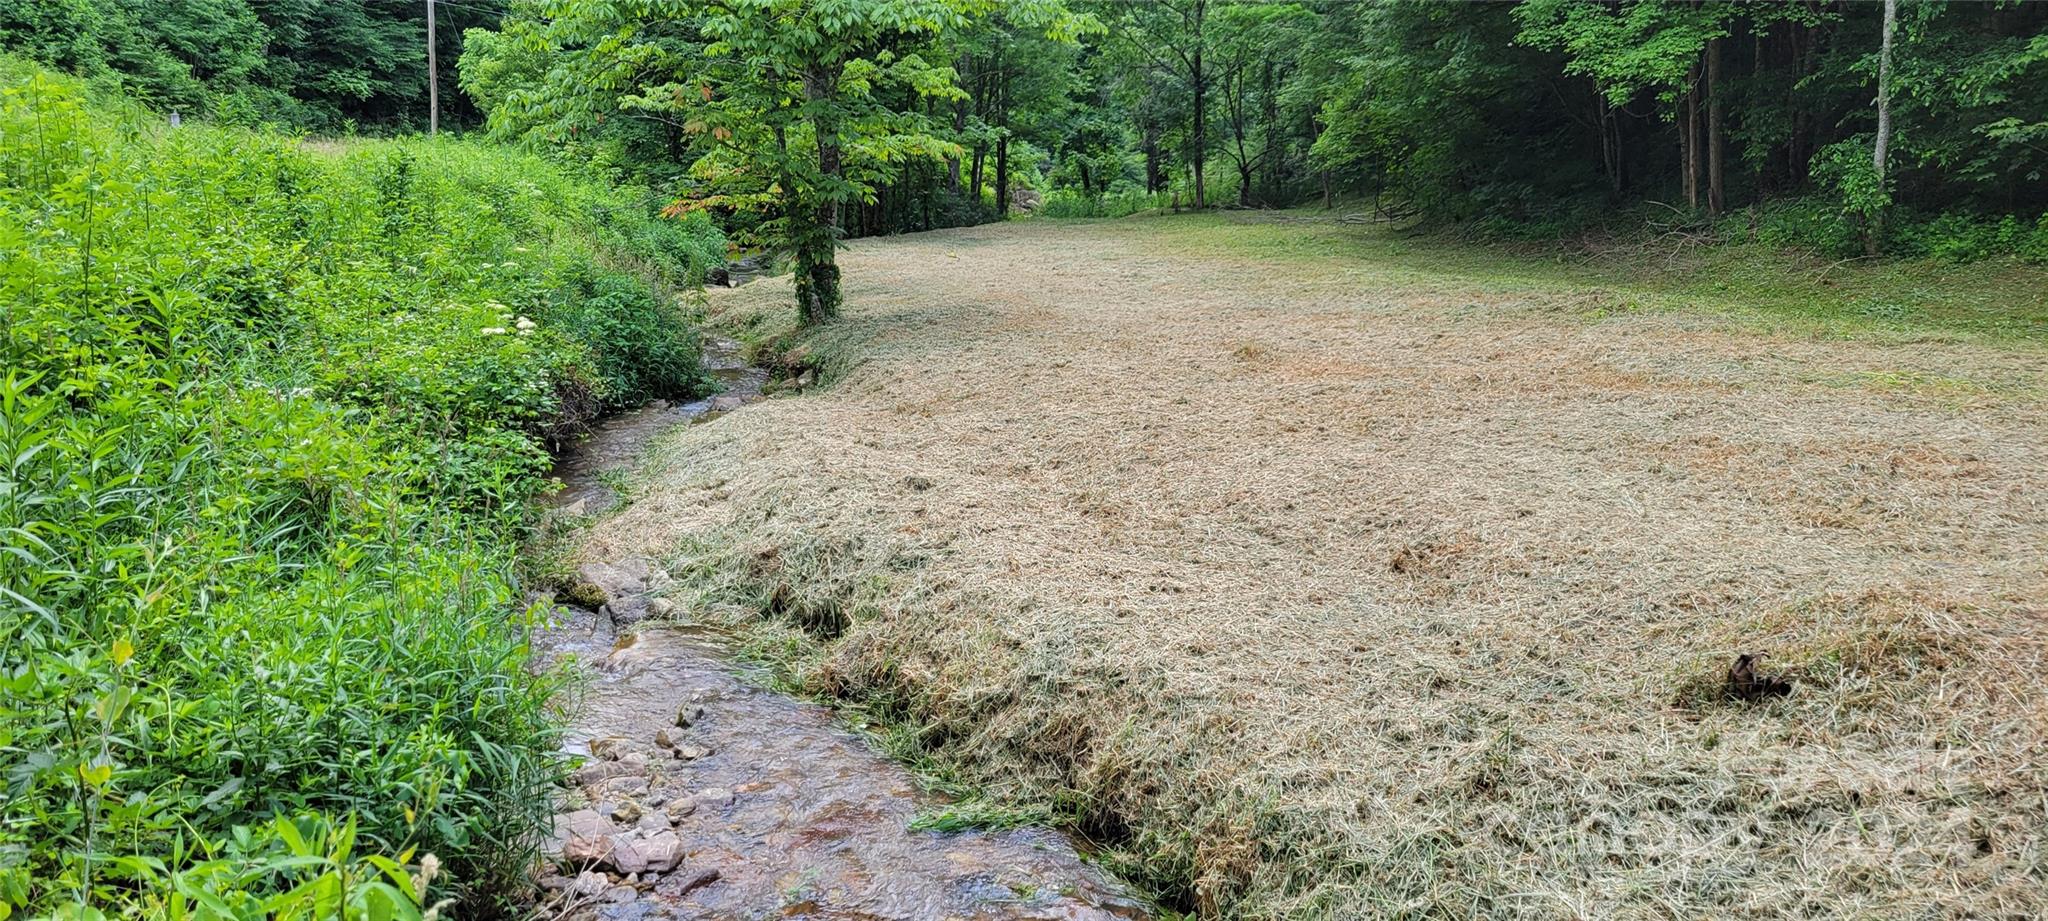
(270, 415)
(1068, 203)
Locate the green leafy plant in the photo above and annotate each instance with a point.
(271, 417)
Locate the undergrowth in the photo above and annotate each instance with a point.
(270, 418)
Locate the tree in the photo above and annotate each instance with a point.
(1171, 37)
(787, 110)
(1882, 145)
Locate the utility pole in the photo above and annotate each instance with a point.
(433, 77)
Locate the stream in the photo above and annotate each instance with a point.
(705, 795)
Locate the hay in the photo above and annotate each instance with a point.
(1350, 591)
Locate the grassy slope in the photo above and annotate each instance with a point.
(1324, 573)
(270, 419)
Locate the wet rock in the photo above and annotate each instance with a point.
(662, 851)
(635, 910)
(632, 854)
(616, 580)
(589, 883)
(598, 771)
(682, 883)
(625, 854)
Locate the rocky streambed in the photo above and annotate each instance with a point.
(705, 795)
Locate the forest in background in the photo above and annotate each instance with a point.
(1530, 120)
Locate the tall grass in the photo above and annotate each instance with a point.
(269, 419)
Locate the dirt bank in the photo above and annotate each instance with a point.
(1341, 588)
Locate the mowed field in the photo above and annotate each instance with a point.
(1316, 573)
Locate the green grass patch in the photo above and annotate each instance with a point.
(1996, 300)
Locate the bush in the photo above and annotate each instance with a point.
(1067, 203)
(270, 415)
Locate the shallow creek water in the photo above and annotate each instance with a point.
(706, 795)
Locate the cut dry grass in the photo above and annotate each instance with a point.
(1338, 588)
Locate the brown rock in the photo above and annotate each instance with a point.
(587, 852)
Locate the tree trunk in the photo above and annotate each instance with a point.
(1003, 178)
(1197, 79)
(817, 271)
(1270, 117)
(974, 177)
(953, 163)
(1201, 139)
(1691, 140)
(1003, 145)
(1879, 150)
(1717, 198)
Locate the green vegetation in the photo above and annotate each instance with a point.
(309, 64)
(270, 417)
(1754, 284)
(1716, 121)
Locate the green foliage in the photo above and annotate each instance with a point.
(788, 113)
(311, 64)
(269, 414)
(1069, 203)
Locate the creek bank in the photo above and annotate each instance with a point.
(705, 795)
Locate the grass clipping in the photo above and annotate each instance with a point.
(1367, 590)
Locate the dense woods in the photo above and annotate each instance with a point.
(1535, 119)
